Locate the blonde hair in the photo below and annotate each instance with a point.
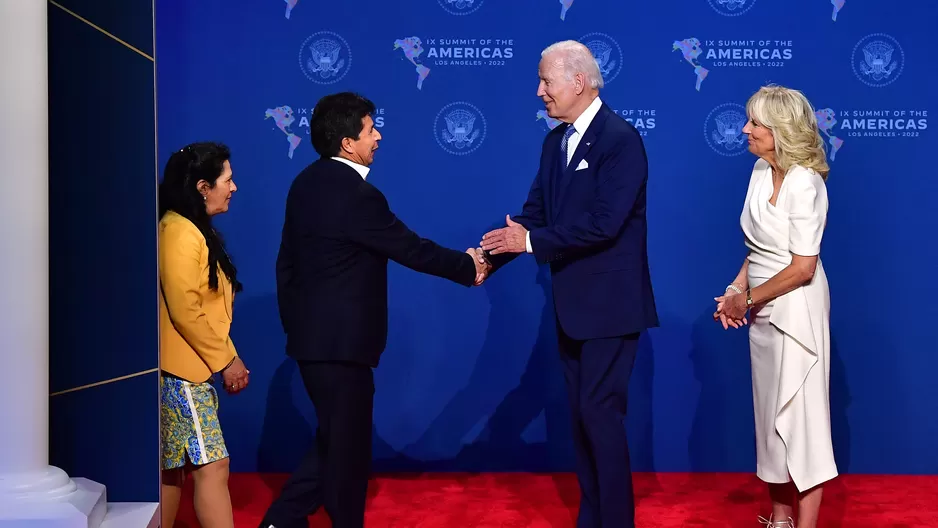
(788, 114)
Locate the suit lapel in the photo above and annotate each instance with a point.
(586, 143)
(565, 175)
(553, 174)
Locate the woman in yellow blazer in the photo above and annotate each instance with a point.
(197, 287)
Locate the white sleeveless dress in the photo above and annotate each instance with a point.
(789, 337)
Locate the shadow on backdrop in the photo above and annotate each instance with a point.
(840, 429)
(527, 429)
(724, 422)
(723, 425)
(639, 419)
(522, 430)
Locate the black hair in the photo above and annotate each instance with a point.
(178, 192)
(336, 117)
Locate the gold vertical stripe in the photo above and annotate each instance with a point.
(86, 21)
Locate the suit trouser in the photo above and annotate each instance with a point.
(597, 375)
(334, 473)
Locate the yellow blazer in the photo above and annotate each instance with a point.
(194, 320)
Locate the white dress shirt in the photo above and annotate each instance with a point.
(360, 169)
(579, 125)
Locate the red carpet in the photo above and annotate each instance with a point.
(664, 500)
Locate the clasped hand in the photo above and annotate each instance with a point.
(731, 309)
(483, 266)
(235, 376)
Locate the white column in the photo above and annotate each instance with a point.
(32, 493)
(24, 238)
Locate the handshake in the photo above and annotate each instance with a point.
(509, 239)
(483, 266)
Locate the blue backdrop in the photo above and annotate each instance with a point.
(470, 378)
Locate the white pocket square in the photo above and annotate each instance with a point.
(582, 165)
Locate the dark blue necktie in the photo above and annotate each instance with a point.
(563, 143)
(559, 183)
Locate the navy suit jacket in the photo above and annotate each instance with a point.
(590, 225)
(332, 267)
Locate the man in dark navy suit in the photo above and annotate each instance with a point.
(585, 215)
(332, 282)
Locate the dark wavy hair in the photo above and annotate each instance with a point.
(336, 117)
(178, 192)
